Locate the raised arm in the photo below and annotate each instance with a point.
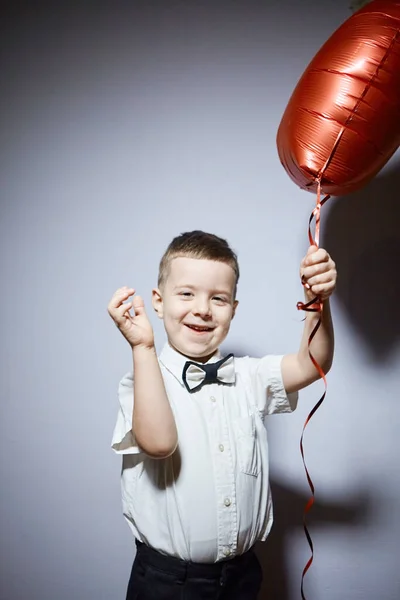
(318, 273)
(153, 422)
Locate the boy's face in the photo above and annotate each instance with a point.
(197, 305)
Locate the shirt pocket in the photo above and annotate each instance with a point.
(246, 445)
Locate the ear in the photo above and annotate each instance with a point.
(157, 302)
(235, 305)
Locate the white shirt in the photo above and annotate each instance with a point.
(211, 499)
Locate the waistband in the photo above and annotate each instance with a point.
(183, 568)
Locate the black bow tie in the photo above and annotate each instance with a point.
(195, 375)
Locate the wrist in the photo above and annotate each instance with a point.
(140, 350)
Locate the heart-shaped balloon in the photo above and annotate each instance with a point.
(342, 122)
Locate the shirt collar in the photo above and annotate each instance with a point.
(174, 362)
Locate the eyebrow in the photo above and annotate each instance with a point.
(193, 287)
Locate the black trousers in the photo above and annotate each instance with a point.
(158, 577)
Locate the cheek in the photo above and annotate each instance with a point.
(176, 311)
(225, 319)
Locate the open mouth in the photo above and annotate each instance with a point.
(199, 328)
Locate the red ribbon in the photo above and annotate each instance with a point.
(314, 305)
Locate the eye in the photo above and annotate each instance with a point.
(219, 299)
(186, 294)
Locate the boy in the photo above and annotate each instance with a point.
(191, 424)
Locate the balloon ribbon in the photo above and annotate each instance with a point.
(314, 305)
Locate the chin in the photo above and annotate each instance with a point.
(194, 351)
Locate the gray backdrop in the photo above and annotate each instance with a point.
(124, 124)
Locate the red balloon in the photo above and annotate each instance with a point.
(342, 122)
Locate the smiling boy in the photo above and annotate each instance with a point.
(191, 424)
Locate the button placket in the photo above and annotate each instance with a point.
(225, 484)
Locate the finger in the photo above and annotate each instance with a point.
(312, 249)
(124, 292)
(319, 268)
(321, 278)
(319, 256)
(138, 305)
(304, 282)
(122, 289)
(119, 296)
(122, 312)
(309, 257)
(324, 289)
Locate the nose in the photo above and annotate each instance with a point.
(202, 308)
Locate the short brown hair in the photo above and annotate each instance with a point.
(198, 244)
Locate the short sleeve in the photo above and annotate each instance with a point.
(123, 441)
(271, 395)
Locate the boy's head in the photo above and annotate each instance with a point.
(196, 294)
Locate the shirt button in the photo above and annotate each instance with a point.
(227, 552)
(227, 501)
(221, 447)
(213, 399)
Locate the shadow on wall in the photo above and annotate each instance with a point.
(362, 233)
(289, 506)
